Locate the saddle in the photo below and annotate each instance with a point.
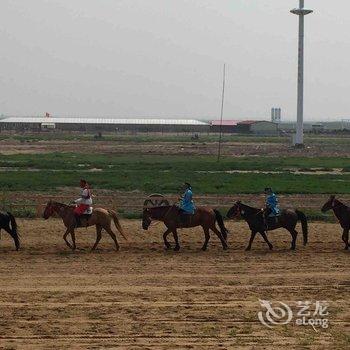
(82, 220)
(184, 219)
(271, 221)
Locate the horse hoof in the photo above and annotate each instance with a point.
(204, 249)
(271, 247)
(247, 249)
(167, 247)
(176, 249)
(225, 247)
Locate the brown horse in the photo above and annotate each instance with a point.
(342, 212)
(100, 217)
(203, 216)
(288, 219)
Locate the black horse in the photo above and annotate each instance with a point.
(8, 223)
(288, 219)
(342, 212)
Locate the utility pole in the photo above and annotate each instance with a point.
(222, 111)
(301, 12)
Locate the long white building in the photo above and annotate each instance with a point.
(104, 124)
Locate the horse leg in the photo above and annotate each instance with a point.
(251, 240)
(72, 233)
(13, 235)
(263, 233)
(294, 239)
(207, 237)
(165, 235)
(221, 237)
(98, 237)
(65, 238)
(346, 238)
(112, 234)
(176, 237)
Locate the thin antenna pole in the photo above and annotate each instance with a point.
(222, 110)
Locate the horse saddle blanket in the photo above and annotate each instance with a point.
(185, 219)
(272, 220)
(83, 220)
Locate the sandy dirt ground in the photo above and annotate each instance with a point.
(144, 297)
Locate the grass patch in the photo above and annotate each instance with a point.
(151, 181)
(133, 162)
(165, 174)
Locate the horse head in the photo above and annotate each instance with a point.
(49, 209)
(234, 211)
(329, 204)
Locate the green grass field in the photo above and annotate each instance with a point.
(166, 173)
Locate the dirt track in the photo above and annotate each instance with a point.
(176, 148)
(145, 297)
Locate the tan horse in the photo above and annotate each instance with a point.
(101, 218)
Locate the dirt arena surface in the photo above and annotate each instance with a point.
(144, 297)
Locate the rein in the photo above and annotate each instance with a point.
(165, 216)
(339, 204)
(239, 209)
(58, 207)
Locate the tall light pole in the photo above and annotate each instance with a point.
(301, 12)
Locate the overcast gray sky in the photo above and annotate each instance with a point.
(164, 58)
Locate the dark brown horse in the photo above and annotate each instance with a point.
(101, 218)
(342, 212)
(205, 217)
(8, 223)
(288, 219)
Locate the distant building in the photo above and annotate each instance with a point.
(343, 125)
(323, 127)
(104, 124)
(255, 127)
(226, 126)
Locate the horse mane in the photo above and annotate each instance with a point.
(340, 204)
(59, 204)
(160, 209)
(248, 208)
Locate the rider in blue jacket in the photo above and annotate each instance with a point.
(186, 206)
(186, 202)
(272, 210)
(271, 203)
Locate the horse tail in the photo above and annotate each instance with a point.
(113, 214)
(220, 221)
(302, 217)
(14, 230)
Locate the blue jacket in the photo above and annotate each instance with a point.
(186, 202)
(272, 203)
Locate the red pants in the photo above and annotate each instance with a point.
(80, 209)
